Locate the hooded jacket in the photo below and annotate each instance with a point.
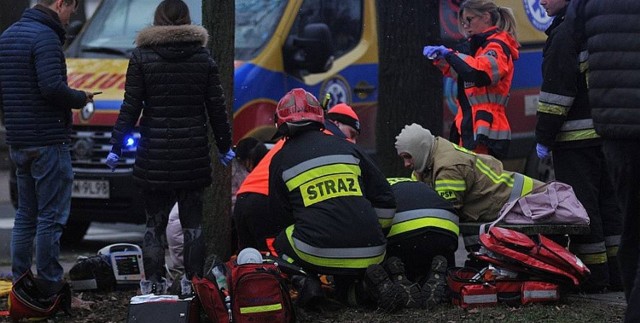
(486, 78)
(35, 98)
(174, 83)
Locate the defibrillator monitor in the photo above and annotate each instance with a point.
(126, 262)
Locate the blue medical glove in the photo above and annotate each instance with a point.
(225, 159)
(542, 151)
(112, 161)
(433, 52)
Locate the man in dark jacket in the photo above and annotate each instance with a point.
(36, 106)
(610, 30)
(565, 126)
(173, 82)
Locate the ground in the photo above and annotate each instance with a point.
(112, 307)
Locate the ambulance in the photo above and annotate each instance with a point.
(324, 46)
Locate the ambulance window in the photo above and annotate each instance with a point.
(344, 19)
(256, 20)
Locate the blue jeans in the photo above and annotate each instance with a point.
(45, 179)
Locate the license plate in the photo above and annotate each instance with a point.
(94, 189)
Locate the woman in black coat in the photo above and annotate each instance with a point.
(173, 82)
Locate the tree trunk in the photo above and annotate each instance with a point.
(410, 86)
(11, 13)
(218, 17)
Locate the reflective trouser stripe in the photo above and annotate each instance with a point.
(261, 308)
(358, 258)
(407, 226)
(591, 253)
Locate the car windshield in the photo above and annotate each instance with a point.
(115, 26)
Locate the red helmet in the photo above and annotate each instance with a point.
(299, 105)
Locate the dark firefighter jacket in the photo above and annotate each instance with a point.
(420, 209)
(564, 114)
(330, 194)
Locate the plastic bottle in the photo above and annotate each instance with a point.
(221, 280)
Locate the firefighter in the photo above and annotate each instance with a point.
(424, 235)
(343, 116)
(564, 126)
(328, 194)
(484, 71)
(476, 184)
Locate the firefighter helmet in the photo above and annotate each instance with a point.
(299, 105)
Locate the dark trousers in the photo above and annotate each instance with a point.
(253, 222)
(585, 170)
(417, 252)
(623, 157)
(157, 205)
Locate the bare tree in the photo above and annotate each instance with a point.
(218, 17)
(11, 13)
(410, 86)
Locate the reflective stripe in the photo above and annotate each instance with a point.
(612, 252)
(493, 134)
(593, 259)
(522, 185)
(581, 124)
(316, 162)
(495, 72)
(489, 98)
(477, 299)
(577, 135)
(425, 213)
(450, 185)
(540, 294)
(556, 99)
(612, 240)
(587, 248)
(422, 223)
(385, 217)
(504, 178)
(317, 172)
(261, 308)
(583, 56)
(336, 257)
(552, 109)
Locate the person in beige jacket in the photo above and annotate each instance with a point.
(476, 184)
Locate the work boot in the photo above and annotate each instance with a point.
(435, 289)
(389, 297)
(395, 268)
(309, 290)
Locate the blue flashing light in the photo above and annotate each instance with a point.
(130, 142)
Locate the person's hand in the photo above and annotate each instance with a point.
(542, 151)
(112, 161)
(89, 96)
(433, 52)
(225, 159)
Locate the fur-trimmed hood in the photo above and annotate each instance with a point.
(165, 35)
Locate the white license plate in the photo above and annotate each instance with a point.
(94, 189)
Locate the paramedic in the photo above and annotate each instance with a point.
(564, 127)
(483, 74)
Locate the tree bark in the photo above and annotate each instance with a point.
(410, 86)
(218, 17)
(11, 13)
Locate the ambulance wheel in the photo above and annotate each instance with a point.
(74, 232)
